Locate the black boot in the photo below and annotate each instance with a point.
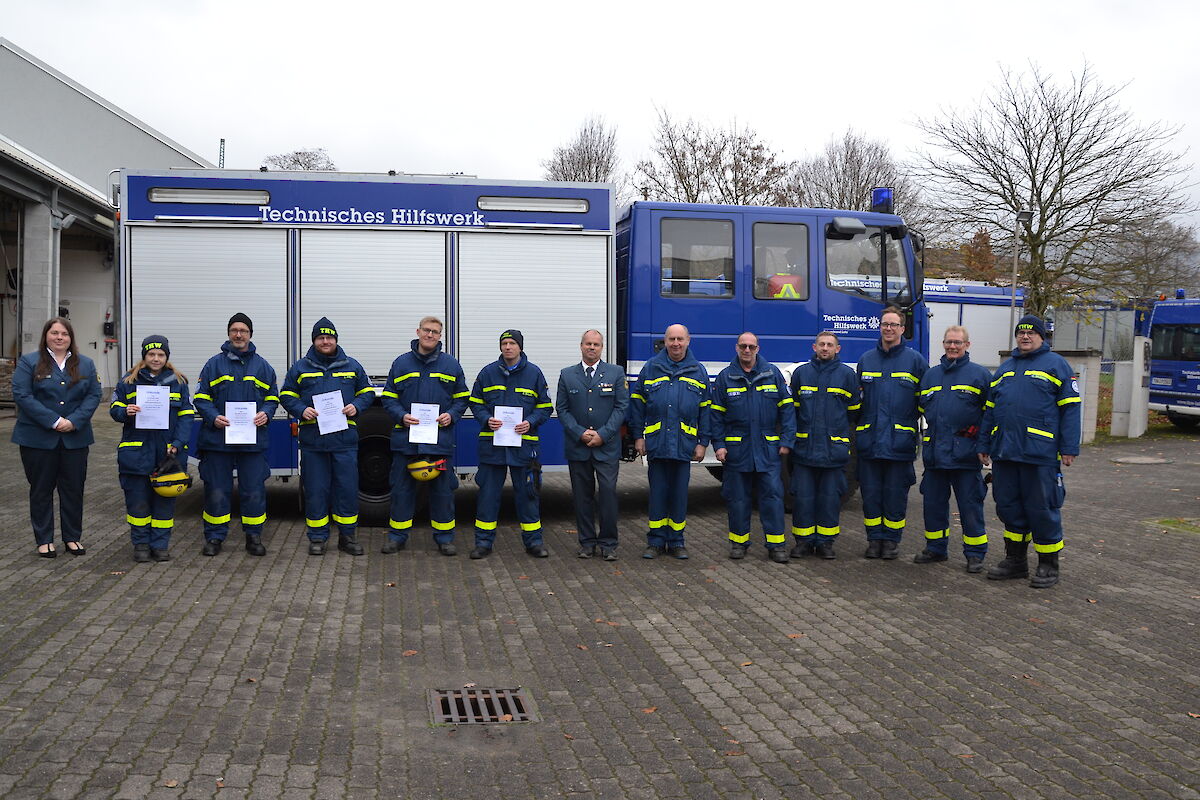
(1015, 563)
(1047, 571)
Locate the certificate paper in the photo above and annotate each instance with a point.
(241, 428)
(330, 418)
(154, 403)
(507, 435)
(425, 431)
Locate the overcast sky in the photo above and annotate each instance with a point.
(490, 88)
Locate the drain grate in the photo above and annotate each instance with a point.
(477, 706)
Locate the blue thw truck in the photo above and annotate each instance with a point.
(1174, 330)
(376, 253)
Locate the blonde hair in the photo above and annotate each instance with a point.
(133, 373)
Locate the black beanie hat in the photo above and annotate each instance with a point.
(323, 327)
(156, 342)
(1030, 322)
(516, 336)
(242, 318)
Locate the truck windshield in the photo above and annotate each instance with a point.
(1175, 342)
(852, 265)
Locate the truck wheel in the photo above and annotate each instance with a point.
(374, 466)
(1183, 421)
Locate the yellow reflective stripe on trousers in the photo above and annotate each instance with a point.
(776, 538)
(531, 526)
(739, 538)
(1047, 548)
(677, 526)
(318, 523)
(259, 520)
(654, 524)
(442, 526)
(824, 531)
(895, 525)
(1018, 537)
(137, 520)
(352, 520)
(485, 526)
(215, 520)
(402, 525)
(974, 540)
(937, 534)
(869, 521)
(162, 523)
(809, 531)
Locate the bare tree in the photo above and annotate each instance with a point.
(845, 173)
(305, 159)
(1067, 152)
(1146, 261)
(590, 156)
(691, 163)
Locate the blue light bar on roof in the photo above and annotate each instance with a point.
(883, 200)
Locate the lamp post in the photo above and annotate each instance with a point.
(1023, 217)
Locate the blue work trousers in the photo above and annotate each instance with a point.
(216, 470)
(151, 516)
(1028, 501)
(404, 501)
(668, 501)
(330, 482)
(739, 490)
(594, 489)
(817, 502)
(969, 491)
(490, 478)
(884, 485)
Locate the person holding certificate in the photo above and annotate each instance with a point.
(235, 398)
(153, 403)
(511, 400)
(426, 395)
(326, 390)
(56, 392)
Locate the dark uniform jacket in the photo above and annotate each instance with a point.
(670, 408)
(141, 450)
(599, 404)
(41, 403)
(436, 379)
(521, 385)
(826, 399)
(891, 382)
(233, 377)
(751, 416)
(953, 394)
(317, 374)
(1033, 413)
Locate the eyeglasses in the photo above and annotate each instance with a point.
(953, 342)
(747, 346)
(1027, 333)
(891, 325)
(239, 331)
(431, 331)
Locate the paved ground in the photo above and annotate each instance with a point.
(294, 676)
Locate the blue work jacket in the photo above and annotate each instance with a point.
(41, 402)
(436, 379)
(953, 394)
(751, 416)
(826, 400)
(521, 385)
(141, 450)
(599, 404)
(317, 374)
(891, 385)
(1033, 413)
(233, 377)
(670, 407)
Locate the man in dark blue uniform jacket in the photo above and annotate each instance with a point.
(591, 402)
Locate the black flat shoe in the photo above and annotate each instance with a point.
(75, 551)
(51, 553)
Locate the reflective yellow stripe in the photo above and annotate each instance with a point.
(1018, 537)
(130, 444)
(289, 393)
(257, 382)
(271, 397)
(855, 407)
(692, 381)
(808, 388)
(544, 405)
(677, 526)
(962, 387)
(973, 540)
(162, 523)
(118, 404)
(201, 396)
(529, 437)
(924, 438)
(1069, 400)
(497, 388)
(733, 438)
(485, 526)
(531, 526)
(442, 526)
(343, 374)
(863, 427)
(906, 375)
(716, 407)
(872, 520)
(654, 524)
(772, 438)
(653, 381)
(173, 395)
(688, 429)
(1047, 548)
(809, 531)
(735, 390)
(1002, 377)
(872, 374)
(386, 393)
(739, 538)
(834, 531)
(523, 390)
(476, 400)
(220, 379)
(304, 375)
(137, 520)
(801, 435)
(839, 439)
(481, 433)
(900, 427)
(776, 538)
(931, 390)
(259, 520)
(364, 390)
(636, 396)
(652, 428)
(318, 523)
(353, 520)
(405, 377)
(933, 535)
(441, 376)
(767, 387)
(1046, 376)
(988, 404)
(837, 390)
(406, 524)
(214, 520)
(460, 394)
(131, 395)
(787, 401)
(1040, 432)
